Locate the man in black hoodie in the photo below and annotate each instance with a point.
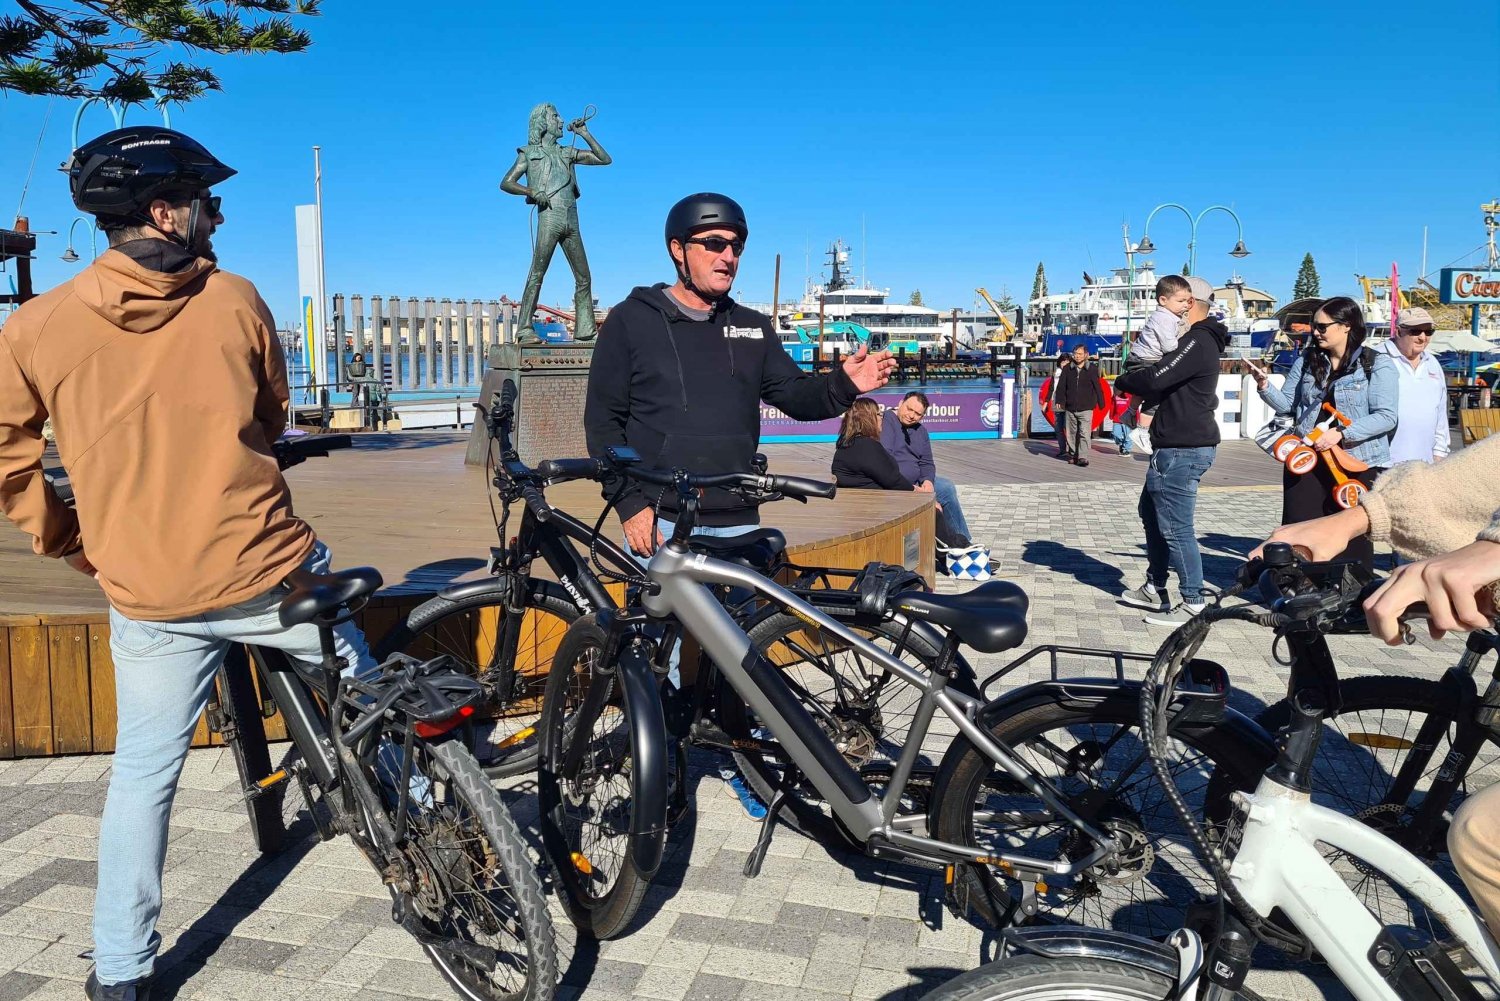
(680, 371)
(1184, 438)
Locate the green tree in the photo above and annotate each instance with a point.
(1004, 301)
(1307, 285)
(1185, 272)
(1039, 285)
(916, 297)
(120, 50)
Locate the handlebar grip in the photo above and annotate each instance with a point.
(802, 486)
(570, 469)
(536, 502)
(507, 394)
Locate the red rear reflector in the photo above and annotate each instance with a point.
(453, 722)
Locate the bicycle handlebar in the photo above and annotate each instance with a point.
(1304, 591)
(290, 451)
(756, 483)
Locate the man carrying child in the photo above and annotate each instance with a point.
(1157, 339)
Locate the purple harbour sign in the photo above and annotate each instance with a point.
(984, 413)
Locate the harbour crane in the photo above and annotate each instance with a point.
(1010, 328)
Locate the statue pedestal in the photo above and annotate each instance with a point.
(552, 380)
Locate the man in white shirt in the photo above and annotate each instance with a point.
(1422, 430)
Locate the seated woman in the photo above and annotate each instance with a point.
(860, 462)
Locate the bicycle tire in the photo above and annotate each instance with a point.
(1063, 978)
(601, 886)
(1064, 744)
(462, 630)
(1353, 773)
(240, 705)
(443, 845)
(869, 732)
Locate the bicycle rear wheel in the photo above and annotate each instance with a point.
(1094, 756)
(586, 787)
(474, 631)
(473, 880)
(243, 728)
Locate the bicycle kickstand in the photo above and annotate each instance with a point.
(768, 823)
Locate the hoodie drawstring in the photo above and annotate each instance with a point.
(681, 375)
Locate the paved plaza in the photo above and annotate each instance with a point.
(314, 922)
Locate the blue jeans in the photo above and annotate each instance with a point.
(946, 493)
(1121, 435)
(1167, 503)
(164, 672)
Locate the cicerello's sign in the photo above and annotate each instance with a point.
(1469, 287)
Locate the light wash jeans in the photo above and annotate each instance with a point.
(946, 492)
(1168, 503)
(164, 672)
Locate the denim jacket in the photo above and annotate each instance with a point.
(1369, 403)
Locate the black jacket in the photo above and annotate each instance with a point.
(1184, 385)
(865, 464)
(687, 394)
(1077, 389)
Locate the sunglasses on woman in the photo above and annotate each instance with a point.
(1322, 328)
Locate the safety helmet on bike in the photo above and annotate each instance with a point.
(705, 210)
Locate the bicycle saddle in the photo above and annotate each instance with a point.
(313, 594)
(990, 618)
(756, 550)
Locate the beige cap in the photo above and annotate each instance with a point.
(1201, 288)
(1414, 316)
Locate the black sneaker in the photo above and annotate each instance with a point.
(131, 990)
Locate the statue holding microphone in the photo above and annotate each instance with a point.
(552, 187)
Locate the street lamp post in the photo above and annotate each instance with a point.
(116, 110)
(70, 255)
(1147, 247)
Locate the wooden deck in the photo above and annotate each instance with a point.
(405, 504)
(1238, 463)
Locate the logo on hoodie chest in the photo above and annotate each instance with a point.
(749, 333)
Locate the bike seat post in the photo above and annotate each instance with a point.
(1299, 745)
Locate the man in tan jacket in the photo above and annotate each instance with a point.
(166, 386)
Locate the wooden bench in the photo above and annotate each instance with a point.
(1477, 424)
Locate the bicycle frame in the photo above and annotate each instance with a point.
(1278, 865)
(684, 579)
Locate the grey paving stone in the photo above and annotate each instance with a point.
(14, 985)
(708, 987)
(247, 954)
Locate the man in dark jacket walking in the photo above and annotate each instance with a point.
(1074, 399)
(1184, 439)
(679, 374)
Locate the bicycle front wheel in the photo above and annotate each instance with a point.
(475, 632)
(1034, 978)
(586, 786)
(472, 879)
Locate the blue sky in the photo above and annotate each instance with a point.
(970, 143)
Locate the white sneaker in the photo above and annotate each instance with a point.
(1140, 440)
(1177, 616)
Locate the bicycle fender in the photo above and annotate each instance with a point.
(648, 748)
(499, 588)
(1084, 693)
(1066, 941)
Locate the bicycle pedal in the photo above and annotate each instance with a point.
(267, 785)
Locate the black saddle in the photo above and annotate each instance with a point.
(757, 550)
(322, 597)
(990, 618)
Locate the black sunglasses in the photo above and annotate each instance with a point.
(717, 244)
(1417, 331)
(209, 203)
(1322, 328)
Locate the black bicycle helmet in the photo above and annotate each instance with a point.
(705, 210)
(119, 174)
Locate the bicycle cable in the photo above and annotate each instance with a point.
(1156, 698)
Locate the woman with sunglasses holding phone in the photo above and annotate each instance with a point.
(1362, 384)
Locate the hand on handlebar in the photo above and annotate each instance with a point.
(641, 533)
(1322, 538)
(1450, 585)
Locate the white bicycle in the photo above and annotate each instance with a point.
(1277, 883)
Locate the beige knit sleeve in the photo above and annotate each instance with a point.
(1423, 510)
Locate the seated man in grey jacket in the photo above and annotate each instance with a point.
(902, 434)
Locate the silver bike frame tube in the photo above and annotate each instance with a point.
(684, 577)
